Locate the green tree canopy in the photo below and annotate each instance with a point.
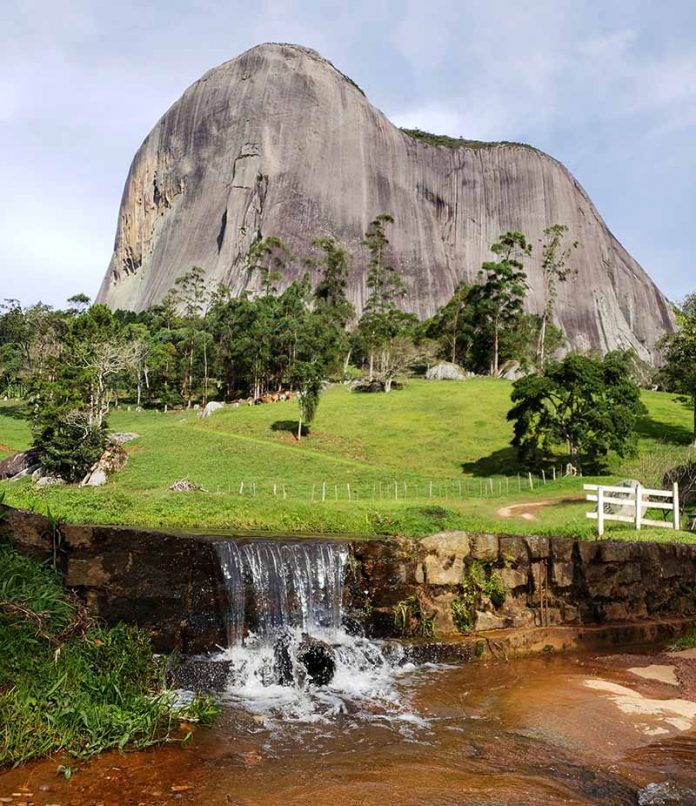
(591, 405)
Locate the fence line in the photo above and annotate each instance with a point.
(387, 489)
(637, 498)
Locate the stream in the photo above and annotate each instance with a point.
(315, 713)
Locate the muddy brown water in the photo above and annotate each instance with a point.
(530, 731)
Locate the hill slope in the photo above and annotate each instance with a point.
(279, 142)
(419, 460)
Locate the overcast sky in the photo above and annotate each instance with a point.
(606, 86)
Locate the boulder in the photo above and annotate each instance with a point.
(185, 486)
(113, 459)
(318, 658)
(49, 481)
(445, 371)
(122, 438)
(512, 371)
(21, 464)
(210, 408)
(627, 509)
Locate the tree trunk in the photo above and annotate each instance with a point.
(205, 372)
(541, 349)
(693, 444)
(387, 384)
(372, 366)
(346, 363)
(495, 351)
(299, 427)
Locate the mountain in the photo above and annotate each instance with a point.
(280, 142)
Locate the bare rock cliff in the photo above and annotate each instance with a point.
(279, 142)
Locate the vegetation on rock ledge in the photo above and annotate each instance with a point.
(70, 684)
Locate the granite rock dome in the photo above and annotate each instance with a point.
(279, 142)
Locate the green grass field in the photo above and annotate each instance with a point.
(428, 457)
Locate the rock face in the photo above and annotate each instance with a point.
(279, 142)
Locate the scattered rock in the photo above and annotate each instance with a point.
(185, 486)
(512, 371)
(21, 464)
(113, 459)
(446, 371)
(49, 481)
(122, 438)
(210, 408)
(318, 658)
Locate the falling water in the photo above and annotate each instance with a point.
(272, 585)
(283, 599)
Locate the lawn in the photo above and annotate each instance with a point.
(434, 455)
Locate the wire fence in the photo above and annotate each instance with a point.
(393, 489)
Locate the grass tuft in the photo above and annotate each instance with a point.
(70, 684)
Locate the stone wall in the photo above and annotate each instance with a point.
(171, 583)
(543, 582)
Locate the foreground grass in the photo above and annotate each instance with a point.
(431, 456)
(69, 684)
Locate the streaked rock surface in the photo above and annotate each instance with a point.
(279, 142)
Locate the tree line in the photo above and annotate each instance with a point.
(200, 343)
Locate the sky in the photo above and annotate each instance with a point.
(606, 86)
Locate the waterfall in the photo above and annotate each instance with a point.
(287, 647)
(272, 585)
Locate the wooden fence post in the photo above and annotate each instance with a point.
(600, 511)
(531, 483)
(675, 503)
(639, 504)
(348, 489)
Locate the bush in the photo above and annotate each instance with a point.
(69, 444)
(70, 684)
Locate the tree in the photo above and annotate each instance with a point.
(330, 292)
(380, 321)
(554, 269)
(589, 404)
(680, 356)
(455, 325)
(306, 378)
(501, 294)
(268, 257)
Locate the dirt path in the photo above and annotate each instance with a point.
(527, 510)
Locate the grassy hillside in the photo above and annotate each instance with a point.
(430, 456)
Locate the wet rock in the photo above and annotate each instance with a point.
(21, 464)
(200, 674)
(488, 621)
(282, 660)
(318, 658)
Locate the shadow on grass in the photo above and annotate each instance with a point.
(499, 463)
(290, 426)
(15, 411)
(663, 432)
